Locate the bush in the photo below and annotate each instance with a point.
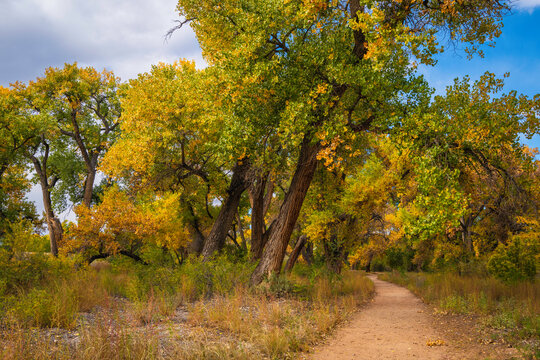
(513, 262)
(32, 270)
(21, 238)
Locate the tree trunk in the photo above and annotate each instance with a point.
(283, 226)
(466, 224)
(197, 240)
(307, 253)
(197, 237)
(239, 183)
(333, 254)
(89, 186)
(53, 224)
(368, 264)
(295, 253)
(257, 217)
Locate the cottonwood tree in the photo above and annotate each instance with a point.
(86, 107)
(473, 166)
(124, 224)
(73, 114)
(332, 66)
(14, 183)
(172, 128)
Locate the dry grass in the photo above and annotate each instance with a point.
(279, 327)
(135, 315)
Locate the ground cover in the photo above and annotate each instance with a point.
(196, 311)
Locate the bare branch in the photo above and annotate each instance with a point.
(179, 25)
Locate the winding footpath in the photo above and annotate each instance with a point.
(395, 325)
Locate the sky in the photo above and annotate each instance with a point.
(128, 36)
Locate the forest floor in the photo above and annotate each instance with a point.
(398, 325)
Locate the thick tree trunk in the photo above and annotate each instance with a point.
(295, 253)
(283, 226)
(239, 183)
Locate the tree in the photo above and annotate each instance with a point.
(86, 107)
(474, 167)
(320, 61)
(72, 115)
(171, 142)
(114, 226)
(14, 183)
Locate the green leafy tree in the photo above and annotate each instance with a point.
(14, 183)
(171, 143)
(329, 67)
(72, 116)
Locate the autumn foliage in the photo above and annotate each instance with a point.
(310, 132)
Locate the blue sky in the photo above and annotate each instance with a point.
(127, 37)
(516, 51)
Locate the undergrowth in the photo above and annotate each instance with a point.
(124, 310)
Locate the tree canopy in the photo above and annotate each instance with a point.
(311, 130)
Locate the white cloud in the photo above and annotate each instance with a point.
(526, 4)
(125, 36)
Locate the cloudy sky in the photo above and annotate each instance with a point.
(127, 37)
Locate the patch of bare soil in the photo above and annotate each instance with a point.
(398, 325)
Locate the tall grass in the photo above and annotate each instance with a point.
(279, 327)
(197, 311)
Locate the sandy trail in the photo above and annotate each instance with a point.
(395, 325)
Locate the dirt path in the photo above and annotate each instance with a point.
(397, 325)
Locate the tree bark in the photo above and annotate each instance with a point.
(257, 217)
(295, 253)
(239, 183)
(89, 186)
(197, 240)
(282, 227)
(197, 237)
(122, 252)
(466, 224)
(53, 223)
(307, 253)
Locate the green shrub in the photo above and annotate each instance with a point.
(20, 237)
(513, 262)
(46, 308)
(455, 303)
(30, 271)
(397, 258)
